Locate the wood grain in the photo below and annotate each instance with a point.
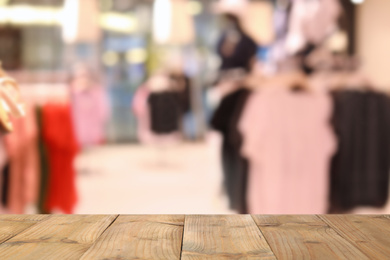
(223, 237)
(11, 225)
(140, 237)
(305, 237)
(371, 234)
(57, 237)
(204, 237)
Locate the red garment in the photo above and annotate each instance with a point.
(59, 137)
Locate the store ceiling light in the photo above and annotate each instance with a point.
(357, 2)
(26, 15)
(162, 12)
(81, 21)
(118, 22)
(70, 20)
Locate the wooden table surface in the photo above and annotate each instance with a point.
(194, 237)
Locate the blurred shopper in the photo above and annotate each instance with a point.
(237, 51)
(89, 107)
(235, 47)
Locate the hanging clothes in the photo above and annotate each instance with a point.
(234, 166)
(289, 143)
(22, 151)
(5, 185)
(62, 148)
(4, 174)
(360, 168)
(44, 163)
(165, 111)
(90, 113)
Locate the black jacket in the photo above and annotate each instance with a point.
(235, 167)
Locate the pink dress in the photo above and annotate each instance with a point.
(289, 143)
(90, 111)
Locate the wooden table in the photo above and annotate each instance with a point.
(194, 237)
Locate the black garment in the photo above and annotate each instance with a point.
(235, 167)
(164, 112)
(184, 93)
(44, 165)
(5, 185)
(245, 49)
(360, 168)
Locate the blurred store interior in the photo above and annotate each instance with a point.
(194, 106)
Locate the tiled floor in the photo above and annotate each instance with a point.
(134, 179)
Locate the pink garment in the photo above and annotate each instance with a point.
(289, 143)
(90, 113)
(22, 150)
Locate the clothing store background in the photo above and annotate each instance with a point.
(133, 106)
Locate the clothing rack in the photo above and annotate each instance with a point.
(252, 123)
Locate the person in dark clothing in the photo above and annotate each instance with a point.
(236, 49)
(360, 168)
(235, 167)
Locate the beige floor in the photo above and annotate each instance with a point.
(134, 179)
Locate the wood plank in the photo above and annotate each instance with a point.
(11, 225)
(223, 237)
(57, 237)
(305, 237)
(140, 237)
(371, 234)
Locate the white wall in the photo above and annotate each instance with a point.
(373, 40)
